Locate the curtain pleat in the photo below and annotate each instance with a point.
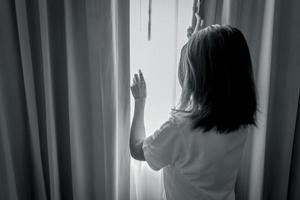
(54, 183)
(80, 107)
(8, 179)
(294, 182)
(16, 168)
(30, 99)
(96, 15)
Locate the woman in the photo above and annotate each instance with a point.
(200, 146)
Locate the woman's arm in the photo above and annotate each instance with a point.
(137, 131)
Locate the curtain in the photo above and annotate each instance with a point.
(293, 192)
(282, 137)
(64, 99)
(271, 27)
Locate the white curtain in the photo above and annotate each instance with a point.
(157, 58)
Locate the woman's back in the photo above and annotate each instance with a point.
(201, 152)
(202, 165)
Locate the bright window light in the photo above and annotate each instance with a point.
(158, 60)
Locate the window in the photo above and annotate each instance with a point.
(158, 59)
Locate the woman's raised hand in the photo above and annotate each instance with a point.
(138, 87)
(199, 23)
(198, 26)
(189, 31)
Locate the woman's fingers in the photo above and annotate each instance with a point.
(141, 76)
(136, 78)
(133, 80)
(138, 87)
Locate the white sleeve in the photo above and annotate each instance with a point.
(162, 148)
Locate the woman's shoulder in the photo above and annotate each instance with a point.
(179, 118)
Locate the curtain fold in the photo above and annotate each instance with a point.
(294, 177)
(15, 139)
(30, 98)
(66, 66)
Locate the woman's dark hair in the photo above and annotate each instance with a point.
(215, 72)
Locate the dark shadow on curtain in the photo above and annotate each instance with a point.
(15, 156)
(294, 178)
(284, 97)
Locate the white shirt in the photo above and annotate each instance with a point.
(196, 165)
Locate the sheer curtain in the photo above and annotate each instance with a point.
(64, 99)
(157, 58)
